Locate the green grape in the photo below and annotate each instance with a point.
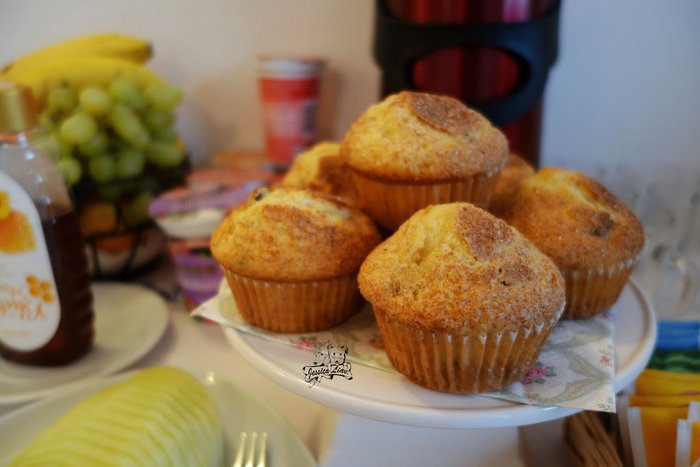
(46, 121)
(164, 154)
(46, 143)
(165, 134)
(94, 146)
(128, 126)
(157, 120)
(95, 101)
(162, 96)
(78, 128)
(61, 100)
(102, 168)
(71, 169)
(130, 163)
(125, 92)
(65, 149)
(137, 211)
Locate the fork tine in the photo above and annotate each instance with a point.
(240, 450)
(248, 450)
(262, 450)
(251, 449)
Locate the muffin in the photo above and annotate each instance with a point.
(515, 171)
(291, 258)
(464, 302)
(590, 234)
(415, 149)
(321, 169)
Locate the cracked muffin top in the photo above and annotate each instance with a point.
(574, 219)
(292, 235)
(320, 168)
(413, 136)
(455, 267)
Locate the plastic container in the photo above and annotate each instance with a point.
(289, 90)
(188, 217)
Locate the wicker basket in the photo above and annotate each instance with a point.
(592, 439)
(125, 247)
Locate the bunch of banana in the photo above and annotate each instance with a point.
(113, 45)
(110, 114)
(94, 59)
(113, 120)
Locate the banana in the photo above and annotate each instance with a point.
(113, 45)
(78, 72)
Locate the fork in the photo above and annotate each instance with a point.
(258, 443)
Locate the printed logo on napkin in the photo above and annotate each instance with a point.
(328, 364)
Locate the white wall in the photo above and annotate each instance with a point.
(625, 89)
(209, 47)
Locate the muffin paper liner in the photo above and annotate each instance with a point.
(461, 363)
(574, 368)
(391, 203)
(592, 291)
(295, 306)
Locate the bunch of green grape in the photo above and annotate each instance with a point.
(113, 132)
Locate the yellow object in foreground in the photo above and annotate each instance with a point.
(658, 431)
(662, 401)
(670, 375)
(158, 417)
(667, 383)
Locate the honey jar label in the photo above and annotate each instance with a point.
(29, 307)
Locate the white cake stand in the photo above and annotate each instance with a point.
(388, 397)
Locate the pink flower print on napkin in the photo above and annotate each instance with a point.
(307, 343)
(376, 342)
(537, 374)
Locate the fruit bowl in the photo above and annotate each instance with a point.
(120, 236)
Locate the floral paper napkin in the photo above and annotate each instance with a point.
(575, 368)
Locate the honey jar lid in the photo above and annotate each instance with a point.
(18, 109)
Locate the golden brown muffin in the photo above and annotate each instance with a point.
(590, 234)
(321, 169)
(291, 258)
(463, 301)
(516, 170)
(414, 149)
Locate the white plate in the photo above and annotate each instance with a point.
(129, 321)
(388, 397)
(239, 411)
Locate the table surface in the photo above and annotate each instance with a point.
(336, 439)
(190, 343)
